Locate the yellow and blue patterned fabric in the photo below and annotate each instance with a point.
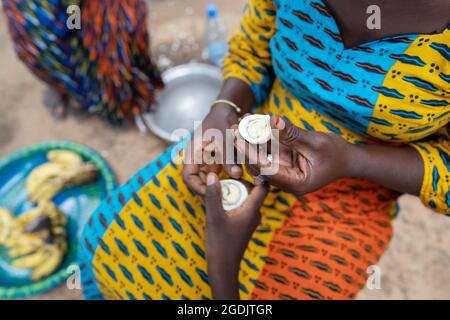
(396, 90)
(146, 241)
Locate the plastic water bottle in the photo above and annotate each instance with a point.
(215, 36)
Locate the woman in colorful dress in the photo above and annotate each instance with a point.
(101, 66)
(366, 112)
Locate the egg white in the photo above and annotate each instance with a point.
(262, 137)
(242, 194)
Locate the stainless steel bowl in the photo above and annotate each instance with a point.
(190, 89)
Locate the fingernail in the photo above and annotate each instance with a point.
(211, 179)
(235, 169)
(280, 123)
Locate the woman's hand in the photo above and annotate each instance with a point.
(307, 160)
(227, 235)
(221, 117)
(310, 160)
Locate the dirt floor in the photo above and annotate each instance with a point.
(417, 262)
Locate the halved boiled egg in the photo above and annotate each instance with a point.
(255, 128)
(234, 194)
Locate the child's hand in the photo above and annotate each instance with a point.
(228, 234)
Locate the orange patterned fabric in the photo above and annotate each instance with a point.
(324, 249)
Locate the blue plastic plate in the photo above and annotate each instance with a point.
(78, 203)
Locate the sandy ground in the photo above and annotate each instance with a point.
(414, 267)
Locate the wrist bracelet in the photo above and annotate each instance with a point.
(227, 102)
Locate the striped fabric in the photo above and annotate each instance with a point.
(105, 66)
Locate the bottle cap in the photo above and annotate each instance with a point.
(211, 10)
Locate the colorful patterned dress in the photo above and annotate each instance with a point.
(105, 66)
(147, 241)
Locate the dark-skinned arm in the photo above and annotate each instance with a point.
(238, 92)
(397, 168)
(223, 280)
(227, 236)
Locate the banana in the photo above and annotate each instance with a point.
(32, 260)
(59, 231)
(44, 208)
(23, 249)
(29, 216)
(13, 237)
(37, 239)
(45, 182)
(65, 169)
(47, 191)
(6, 221)
(18, 238)
(65, 158)
(53, 261)
(81, 175)
(57, 216)
(42, 174)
